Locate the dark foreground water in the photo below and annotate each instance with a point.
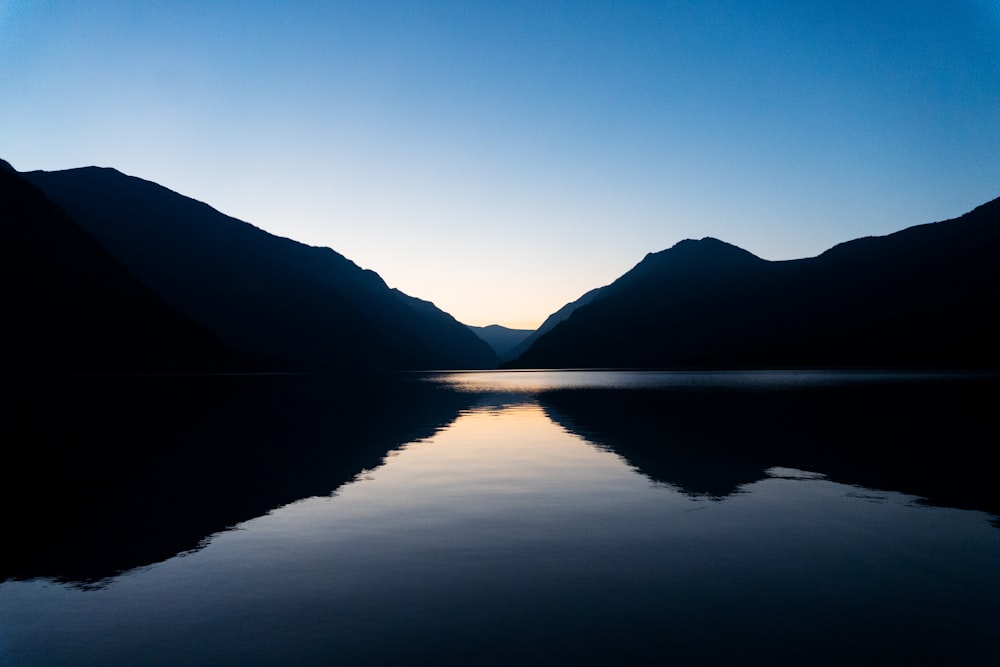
(505, 518)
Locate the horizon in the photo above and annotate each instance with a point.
(535, 150)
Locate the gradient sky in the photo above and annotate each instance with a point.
(502, 158)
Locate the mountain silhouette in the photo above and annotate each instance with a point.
(294, 306)
(71, 307)
(926, 296)
(502, 339)
(550, 322)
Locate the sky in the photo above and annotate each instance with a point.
(502, 158)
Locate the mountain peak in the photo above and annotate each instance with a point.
(291, 305)
(703, 241)
(707, 245)
(925, 296)
(706, 254)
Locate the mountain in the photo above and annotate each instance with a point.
(502, 339)
(71, 307)
(926, 296)
(291, 305)
(550, 322)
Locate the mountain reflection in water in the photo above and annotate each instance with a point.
(915, 434)
(491, 518)
(136, 470)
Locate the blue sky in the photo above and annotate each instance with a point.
(502, 158)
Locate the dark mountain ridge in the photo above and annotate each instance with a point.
(71, 307)
(550, 322)
(291, 305)
(926, 296)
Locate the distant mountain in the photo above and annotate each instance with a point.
(292, 305)
(502, 339)
(70, 307)
(927, 296)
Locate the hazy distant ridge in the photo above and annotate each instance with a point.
(502, 339)
(927, 296)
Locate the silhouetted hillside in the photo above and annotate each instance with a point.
(70, 307)
(925, 296)
(550, 322)
(502, 339)
(296, 306)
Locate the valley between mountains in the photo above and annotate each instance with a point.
(109, 273)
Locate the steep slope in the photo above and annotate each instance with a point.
(70, 307)
(550, 322)
(925, 296)
(297, 306)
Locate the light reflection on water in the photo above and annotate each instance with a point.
(508, 537)
(531, 381)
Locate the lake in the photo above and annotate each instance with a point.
(549, 517)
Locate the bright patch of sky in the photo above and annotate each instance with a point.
(502, 158)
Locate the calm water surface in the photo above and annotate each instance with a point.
(548, 517)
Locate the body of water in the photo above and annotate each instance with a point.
(527, 518)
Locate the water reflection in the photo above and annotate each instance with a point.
(523, 382)
(908, 433)
(151, 468)
(212, 453)
(709, 433)
(417, 522)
